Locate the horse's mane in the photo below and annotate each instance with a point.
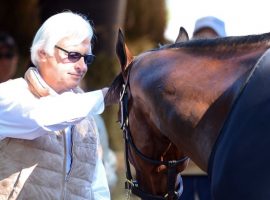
(115, 89)
(224, 43)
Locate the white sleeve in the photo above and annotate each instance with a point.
(26, 117)
(66, 109)
(100, 186)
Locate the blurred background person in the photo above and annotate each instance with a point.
(209, 27)
(8, 57)
(196, 182)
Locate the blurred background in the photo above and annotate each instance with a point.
(241, 17)
(145, 23)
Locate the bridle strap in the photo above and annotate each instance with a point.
(171, 173)
(171, 165)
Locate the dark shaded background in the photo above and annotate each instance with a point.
(143, 23)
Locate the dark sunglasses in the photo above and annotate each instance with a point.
(75, 56)
(6, 55)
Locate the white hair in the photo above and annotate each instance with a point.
(56, 28)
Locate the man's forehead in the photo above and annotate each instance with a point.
(74, 41)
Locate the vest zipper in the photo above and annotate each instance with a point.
(71, 161)
(71, 152)
(67, 175)
(63, 133)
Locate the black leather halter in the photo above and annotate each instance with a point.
(132, 184)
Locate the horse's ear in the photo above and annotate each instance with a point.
(182, 35)
(122, 51)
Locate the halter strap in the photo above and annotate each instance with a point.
(171, 165)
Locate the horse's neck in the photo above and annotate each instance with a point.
(205, 114)
(210, 125)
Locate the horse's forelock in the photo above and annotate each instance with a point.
(115, 89)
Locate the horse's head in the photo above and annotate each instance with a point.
(179, 94)
(156, 160)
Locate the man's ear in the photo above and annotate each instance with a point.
(42, 55)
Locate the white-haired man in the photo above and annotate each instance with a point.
(48, 139)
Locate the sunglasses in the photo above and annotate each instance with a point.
(76, 56)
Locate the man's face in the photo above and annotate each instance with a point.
(58, 71)
(8, 63)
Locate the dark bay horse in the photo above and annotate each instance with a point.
(205, 99)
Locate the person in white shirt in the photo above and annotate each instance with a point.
(48, 137)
